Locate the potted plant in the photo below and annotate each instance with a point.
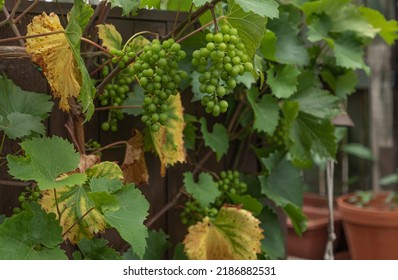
(370, 222)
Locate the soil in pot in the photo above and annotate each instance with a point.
(371, 231)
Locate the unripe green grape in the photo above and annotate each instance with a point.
(105, 126)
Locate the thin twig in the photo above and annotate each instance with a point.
(78, 221)
(27, 10)
(56, 205)
(13, 26)
(110, 146)
(197, 30)
(15, 8)
(213, 14)
(7, 40)
(94, 44)
(15, 184)
(2, 142)
(166, 208)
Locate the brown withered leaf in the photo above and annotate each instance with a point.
(86, 161)
(54, 55)
(134, 164)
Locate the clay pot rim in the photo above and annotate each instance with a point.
(366, 215)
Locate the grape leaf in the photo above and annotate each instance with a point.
(199, 3)
(310, 136)
(150, 4)
(31, 235)
(388, 29)
(54, 55)
(134, 98)
(78, 19)
(44, 161)
(169, 140)
(21, 112)
(128, 220)
(348, 51)
(358, 150)
(178, 5)
(110, 37)
(134, 164)
(248, 202)
(234, 235)
(128, 6)
(343, 84)
(204, 191)
(266, 111)
(274, 243)
(284, 186)
(314, 100)
(264, 8)
(217, 140)
(105, 169)
(190, 132)
(284, 44)
(283, 80)
(157, 245)
(250, 26)
(97, 249)
(80, 218)
(105, 184)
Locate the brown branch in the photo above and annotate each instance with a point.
(78, 221)
(13, 52)
(27, 10)
(94, 44)
(7, 40)
(117, 107)
(111, 145)
(56, 205)
(166, 208)
(213, 14)
(12, 24)
(15, 184)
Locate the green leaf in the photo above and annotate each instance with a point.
(283, 80)
(44, 161)
(129, 219)
(128, 6)
(31, 235)
(97, 249)
(134, 98)
(284, 45)
(343, 15)
(21, 112)
(283, 185)
(190, 132)
(343, 84)
(249, 203)
(178, 5)
(104, 201)
(358, 150)
(110, 37)
(309, 136)
(199, 3)
(250, 26)
(79, 17)
(274, 243)
(297, 217)
(105, 184)
(264, 8)
(157, 246)
(150, 4)
(204, 191)
(217, 140)
(314, 100)
(389, 179)
(266, 111)
(388, 29)
(179, 253)
(348, 51)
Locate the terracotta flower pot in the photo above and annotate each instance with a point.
(371, 231)
(311, 245)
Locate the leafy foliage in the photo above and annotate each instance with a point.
(217, 140)
(45, 161)
(96, 249)
(23, 238)
(22, 112)
(157, 245)
(128, 6)
(110, 37)
(204, 191)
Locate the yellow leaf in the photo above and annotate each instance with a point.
(110, 37)
(234, 235)
(134, 164)
(169, 140)
(78, 217)
(54, 55)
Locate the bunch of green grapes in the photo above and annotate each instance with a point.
(114, 94)
(219, 63)
(156, 69)
(281, 134)
(229, 183)
(122, 57)
(29, 195)
(92, 145)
